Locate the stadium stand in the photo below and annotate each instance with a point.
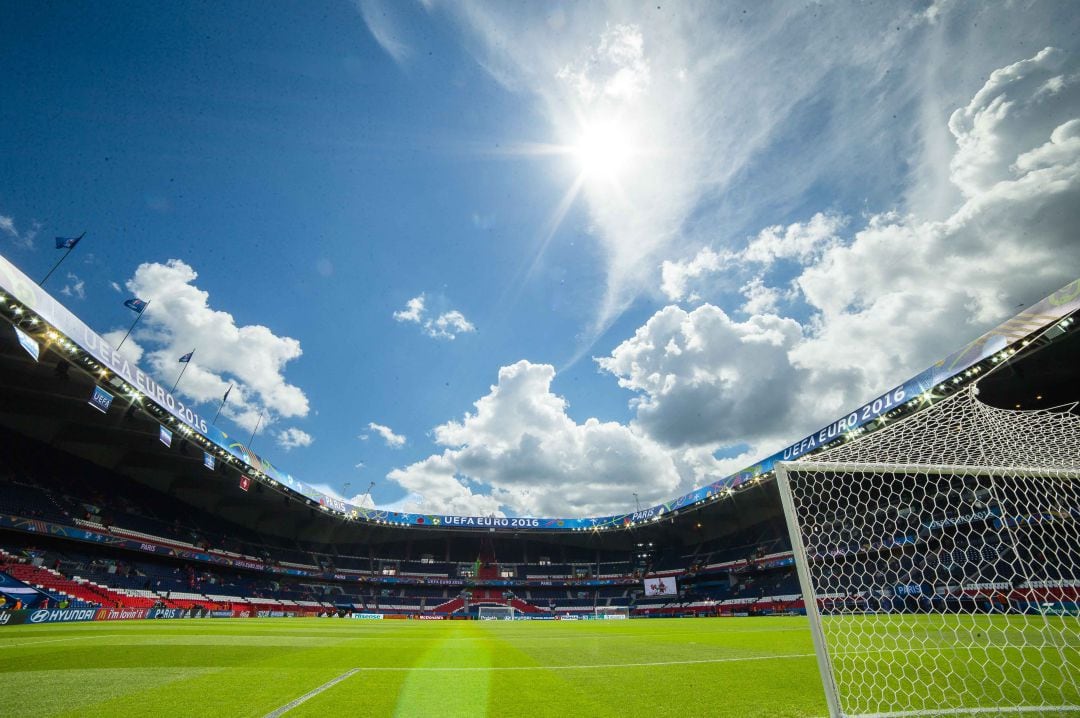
(98, 512)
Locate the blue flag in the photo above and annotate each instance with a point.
(136, 305)
(67, 242)
(187, 357)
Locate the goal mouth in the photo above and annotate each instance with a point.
(496, 613)
(939, 560)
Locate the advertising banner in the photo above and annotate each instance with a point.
(164, 436)
(120, 614)
(61, 615)
(101, 400)
(368, 616)
(27, 342)
(12, 618)
(661, 586)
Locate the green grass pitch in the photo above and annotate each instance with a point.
(254, 667)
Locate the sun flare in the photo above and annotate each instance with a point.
(604, 149)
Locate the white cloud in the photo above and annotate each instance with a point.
(251, 357)
(413, 311)
(448, 325)
(74, 287)
(885, 303)
(434, 487)
(293, 438)
(394, 441)
(615, 68)
(382, 22)
(798, 241)
(703, 378)
(520, 451)
(760, 299)
(444, 326)
(130, 350)
(115, 287)
(676, 276)
(25, 239)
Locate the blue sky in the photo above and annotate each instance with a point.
(651, 244)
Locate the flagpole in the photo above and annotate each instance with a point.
(256, 429)
(137, 318)
(42, 282)
(188, 362)
(223, 400)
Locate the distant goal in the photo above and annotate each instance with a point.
(612, 612)
(496, 613)
(939, 560)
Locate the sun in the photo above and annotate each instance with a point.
(604, 149)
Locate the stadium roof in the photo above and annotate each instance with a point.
(47, 398)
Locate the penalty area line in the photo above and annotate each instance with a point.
(455, 669)
(311, 694)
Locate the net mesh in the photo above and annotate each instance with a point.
(944, 555)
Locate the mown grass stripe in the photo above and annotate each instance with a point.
(583, 666)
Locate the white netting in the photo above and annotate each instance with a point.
(612, 612)
(944, 553)
(496, 613)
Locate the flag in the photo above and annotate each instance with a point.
(67, 242)
(187, 357)
(136, 305)
(245, 483)
(164, 436)
(226, 397)
(208, 460)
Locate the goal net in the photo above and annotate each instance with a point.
(939, 560)
(612, 612)
(496, 613)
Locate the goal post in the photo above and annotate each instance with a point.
(611, 612)
(496, 613)
(939, 560)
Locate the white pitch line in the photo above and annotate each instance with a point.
(451, 669)
(58, 640)
(310, 694)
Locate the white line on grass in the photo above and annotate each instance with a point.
(58, 640)
(310, 694)
(454, 669)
